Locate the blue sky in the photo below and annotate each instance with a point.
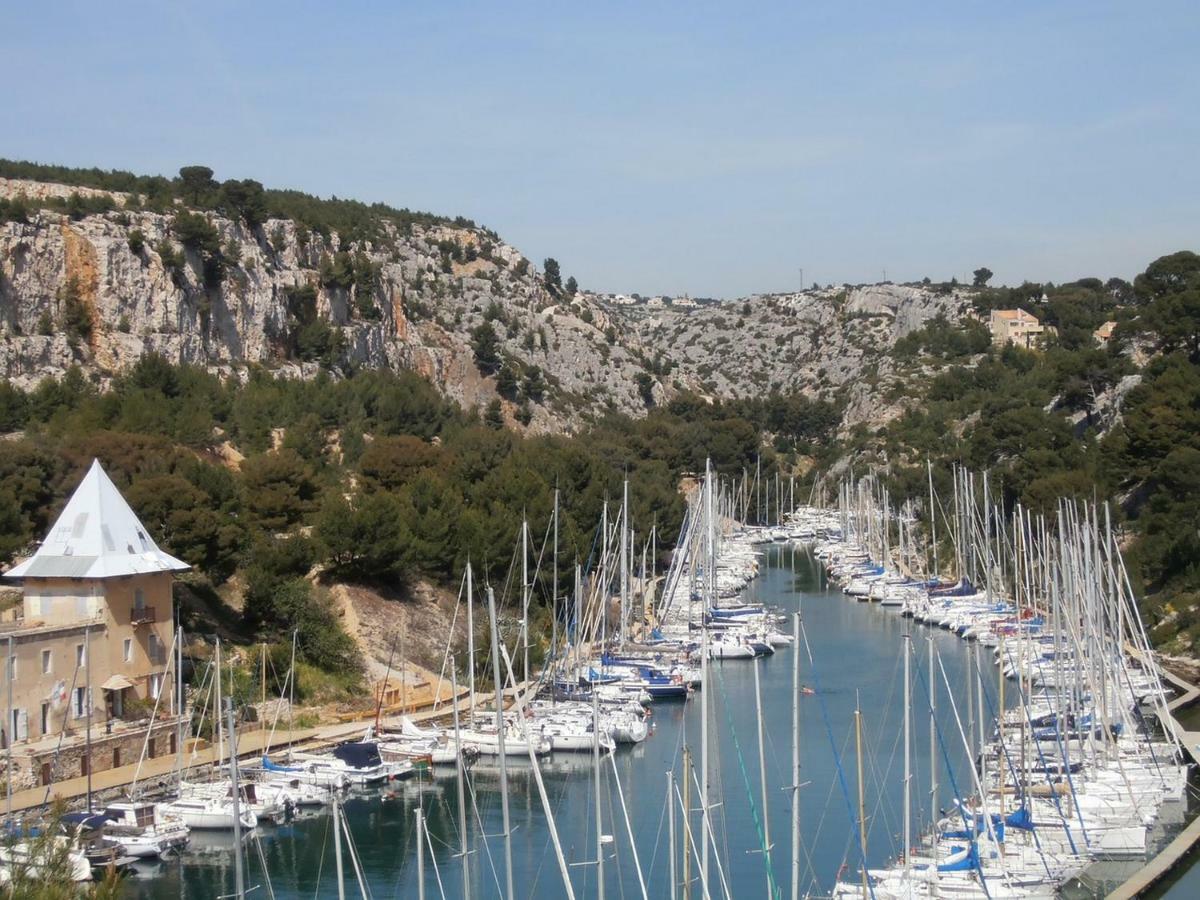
(713, 149)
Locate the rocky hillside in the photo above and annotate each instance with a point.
(100, 288)
(821, 342)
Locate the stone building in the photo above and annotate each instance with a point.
(89, 657)
(1015, 326)
(1104, 333)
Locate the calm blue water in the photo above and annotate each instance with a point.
(856, 650)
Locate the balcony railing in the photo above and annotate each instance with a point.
(142, 615)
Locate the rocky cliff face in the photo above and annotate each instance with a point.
(820, 342)
(416, 314)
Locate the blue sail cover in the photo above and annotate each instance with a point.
(735, 613)
(965, 834)
(358, 754)
(275, 767)
(962, 863)
(1021, 818)
(962, 589)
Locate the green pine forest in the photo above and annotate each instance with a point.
(372, 477)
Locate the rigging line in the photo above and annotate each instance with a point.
(836, 759)
(663, 813)
(437, 873)
(321, 861)
(262, 861)
(879, 810)
(987, 821)
(560, 798)
(612, 758)
(754, 813)
(824, 812)
(690, 841)
(706, 820)
(1017, 788)
(679, 736)
(958, 797)
(483, 836)
(359, 874)
(437, 691)
(616, 855)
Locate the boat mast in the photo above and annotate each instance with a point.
(673, 884)
(87, 676)
(217, 711)
(387, 675)
(291, 690)
(179, 700)
(498, 701)
(462, 793)
(933, 771)
(796, 757)
(1002, 755)
(8, 731)
(554, 600)
(470, 650)
(907, 757)
(599, 819)
(705, 687)
(337, 847)
(525, 593)
(603, 579)
(238, 874)
(644, 609)
(263, 679)
(577, 617)
(862, 805)
(420, 856)
(686, 883)
(624, 559)
(762, 774)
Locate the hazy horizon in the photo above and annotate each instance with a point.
(711, 152)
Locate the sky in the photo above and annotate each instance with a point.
(709, 149)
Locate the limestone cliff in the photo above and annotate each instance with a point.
(108, 270)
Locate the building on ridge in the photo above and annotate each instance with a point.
(1104, 333)
(89, 654)
(1015, 326)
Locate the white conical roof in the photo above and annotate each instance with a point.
(96, 536)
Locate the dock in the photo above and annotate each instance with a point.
(161, 770)
(1170, 856)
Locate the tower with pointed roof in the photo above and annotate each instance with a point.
(92, 650)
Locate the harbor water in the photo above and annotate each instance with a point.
(856, 661)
